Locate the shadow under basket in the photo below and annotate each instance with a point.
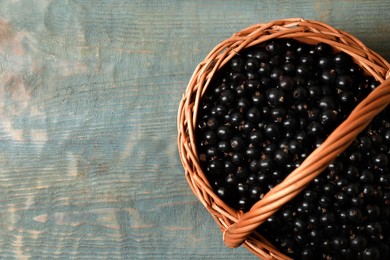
(238, 227)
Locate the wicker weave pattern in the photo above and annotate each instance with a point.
(238, 227)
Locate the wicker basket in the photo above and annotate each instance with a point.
(238, 227)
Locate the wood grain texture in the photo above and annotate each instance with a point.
(89, 92)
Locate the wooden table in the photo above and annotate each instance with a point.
(89, 92)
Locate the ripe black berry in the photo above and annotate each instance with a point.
(253, 115)
(236, 119)
(243, 103)
(341, 59)
(344, 82)
(227, 98)
(224, 132)
(275, 96)
(272, 131)
(324, 62)
(381, 160)
(237, 64)
(238, 158)
(252, 153)
(210, 137)
(328, 76)
(252, 64)
(273, 47)
(238, 143)
(215, 167)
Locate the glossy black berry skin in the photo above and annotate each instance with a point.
(263, 113)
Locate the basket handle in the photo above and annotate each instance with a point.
(312, 166)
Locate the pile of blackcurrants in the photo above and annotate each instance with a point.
(263, 113)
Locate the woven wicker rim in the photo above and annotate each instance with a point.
(238, 227)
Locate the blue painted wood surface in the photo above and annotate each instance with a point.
(89, 92)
